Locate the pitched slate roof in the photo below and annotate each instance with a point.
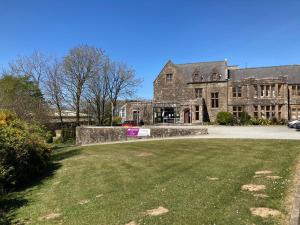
(204, 69)
(291, 71)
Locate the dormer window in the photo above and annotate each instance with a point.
(215, 77)
(169, 77)
(196, 77)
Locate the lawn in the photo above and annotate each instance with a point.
(198, 181)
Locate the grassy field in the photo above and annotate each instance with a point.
(198, 181)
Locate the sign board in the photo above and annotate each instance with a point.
(144, 132)
(138, 132)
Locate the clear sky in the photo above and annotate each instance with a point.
(145, 34)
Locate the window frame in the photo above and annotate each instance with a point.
(237, 111)
(197, 112)
(214, 97)
(197, 93)
(169, 77)
(237, 92)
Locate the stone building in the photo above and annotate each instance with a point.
(195, 92)
(136, 110)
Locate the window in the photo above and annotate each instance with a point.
(196, 77)
(267, 112)
(295, 112)
(255, 91)
(279, 89)
(273, 91)
(169, 77)
(197, 110)
(198, 92)
(215, 100)
(255, 111)
(268, 91)
(262, 90)
(237, 111)
(215, 77)
(294, 87)
(237, 91)
(298, 90)
(279, 112)
(122, 113)
(136, 116)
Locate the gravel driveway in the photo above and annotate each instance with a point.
(253, 132)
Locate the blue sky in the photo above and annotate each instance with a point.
(145, 34)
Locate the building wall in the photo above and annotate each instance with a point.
(252, 101)
(207, 90)
(175, 91)
(283, 102)
(294, 94)
(143, 107)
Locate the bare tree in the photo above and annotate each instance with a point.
(122, 82)
(80, 65)
(97, 92)
(33, 66)
(54, 87)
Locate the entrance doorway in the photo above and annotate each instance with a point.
(187, 116)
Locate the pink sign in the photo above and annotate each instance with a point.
(132, 132)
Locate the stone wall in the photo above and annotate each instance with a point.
(93, 135)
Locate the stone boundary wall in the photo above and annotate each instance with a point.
(92, 135)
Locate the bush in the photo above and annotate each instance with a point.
(5, 117)
(68, 134)
(245, 119)
(117, 121)
(225, 118)
(23, 153)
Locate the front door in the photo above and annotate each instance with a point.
(187, 117)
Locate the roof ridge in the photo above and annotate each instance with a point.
(198, 62)
(261, 67)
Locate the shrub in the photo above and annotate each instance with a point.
(68, 134)
(5, 117)
(23, 153)
(245, 119)
(117, 121)
(264, 122)
(225, 118)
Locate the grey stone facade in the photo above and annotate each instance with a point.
(196, 92)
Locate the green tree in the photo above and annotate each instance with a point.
(23, 97)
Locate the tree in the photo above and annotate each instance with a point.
(80, 65)
(23, 97)
(98, 90)
(122, 82)
(33, 66)
(54, 87)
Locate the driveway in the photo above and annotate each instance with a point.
(253, 132)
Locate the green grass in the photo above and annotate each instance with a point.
(174, 176)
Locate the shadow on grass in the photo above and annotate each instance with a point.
(14, 200)
(61, 154)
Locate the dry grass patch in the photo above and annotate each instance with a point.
(253, 187)
(273, 177)
(259, 195)
(131, 223)
(264, 212)
(50, 216)
(144, 154)
(158, 211)
(212, 178)
(83, 202)
(263, 172)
